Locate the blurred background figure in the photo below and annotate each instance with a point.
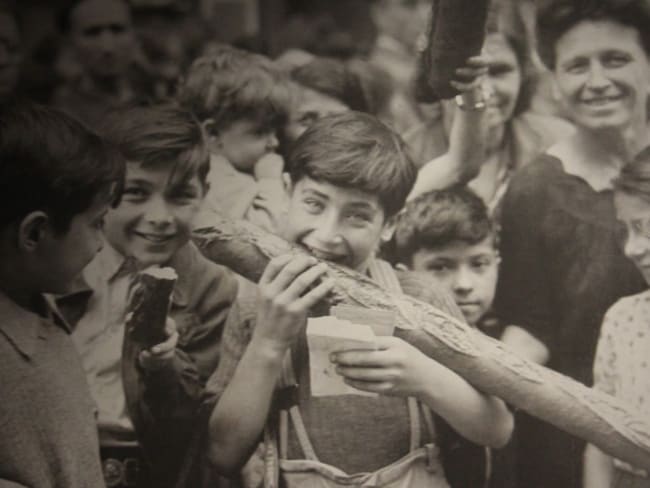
(11, 54)
(99, 63)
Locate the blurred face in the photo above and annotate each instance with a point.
(10, 55)
(66, 255)
(243, 143)
(468, 271)
(103, 37)
(602, 75)
(336, 224)
(633, 213)
(310, 106)
(154, 218)
(504, 79)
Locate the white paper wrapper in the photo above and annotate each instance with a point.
(326, 335)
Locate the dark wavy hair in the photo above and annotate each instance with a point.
(355, 150)
(438, 218)
(159, 135)
(560, 16)
(53, 163)
(634, 178)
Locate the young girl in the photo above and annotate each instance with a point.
(621, 364)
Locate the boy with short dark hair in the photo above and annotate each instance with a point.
(449, 235)
(149, 403)
(57, 180)
(349, 175)
(242, 100)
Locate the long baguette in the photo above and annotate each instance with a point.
(586, 413)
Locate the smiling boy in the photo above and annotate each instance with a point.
(57, 181)
(167, 163)
(349, 175)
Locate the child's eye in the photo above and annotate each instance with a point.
(481, 264)
(134, 193)
(183, 194)
(440, 267)
(313, 206)
(358, 218)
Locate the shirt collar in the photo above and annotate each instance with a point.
(109, 263)
(23, 327)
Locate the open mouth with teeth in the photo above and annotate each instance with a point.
(325, 255)
(599, 101)
(155, 238)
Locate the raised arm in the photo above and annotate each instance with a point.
(289, 287)
(462, 161)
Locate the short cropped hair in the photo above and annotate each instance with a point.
(355, 150)
(159, 135)
(230, 85)
(53, 163)
(560, 16)
(634, 178)
(333, 78)
(441, 217)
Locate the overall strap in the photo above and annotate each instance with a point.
(288, 380)
(384, 274)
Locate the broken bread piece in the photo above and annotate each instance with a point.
(149, 301)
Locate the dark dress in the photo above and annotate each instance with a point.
(561, 269)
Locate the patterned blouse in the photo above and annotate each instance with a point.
(623, 354)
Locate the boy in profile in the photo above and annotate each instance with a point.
(242, 100)
(349, 176)
(57, 180)
(146, 407)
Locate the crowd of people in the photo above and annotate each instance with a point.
(520, 208)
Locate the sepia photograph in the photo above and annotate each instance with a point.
(324, 243)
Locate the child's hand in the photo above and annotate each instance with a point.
(269, 166)
(288, 288)
(161, 354)
(396, 368)
(470, 77)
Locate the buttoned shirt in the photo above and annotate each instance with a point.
(160, 406)
(99, 336)
(47, 418)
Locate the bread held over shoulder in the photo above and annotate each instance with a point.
(456, 32)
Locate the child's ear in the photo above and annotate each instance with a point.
(32, 230)
(210, 128)
(389, 229)
(288, 185)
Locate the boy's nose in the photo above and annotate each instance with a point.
(157, 212)
(464, 282)
(327, 230)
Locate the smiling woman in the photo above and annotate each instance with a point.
(562, 266)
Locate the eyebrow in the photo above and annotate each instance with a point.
(362, 205)
(137, 181)
(316, 193)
